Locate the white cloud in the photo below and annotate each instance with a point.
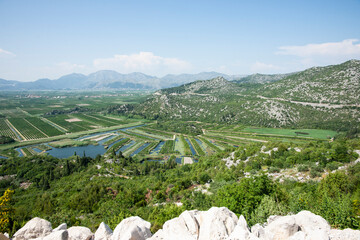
(145, 62)
(346, 48)
(260, 67)
(2, 51)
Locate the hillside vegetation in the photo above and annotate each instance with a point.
(322, 97)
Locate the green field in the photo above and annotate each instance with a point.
(5, 130)
(306, 133)
(26, 129)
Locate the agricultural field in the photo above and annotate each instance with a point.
(26, 129)
(306, 133)
(45, 127)
(5, 130)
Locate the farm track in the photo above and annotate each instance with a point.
(14, 128)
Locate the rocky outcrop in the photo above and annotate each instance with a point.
(35, 228)
(132, 228)
(79, 233)
(104, 232)
(214, 224)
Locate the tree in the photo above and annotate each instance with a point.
(6, 211)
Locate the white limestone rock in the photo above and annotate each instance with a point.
(62, 226)
(56, 235)
(298, 236)
(258, 231)
(184, 227)
(103, 232)
(132, 228)
(159, 235)
(310, 222)
(79, 233)
(34, 228)
(348, 234)
(217, 223)
(281, 228)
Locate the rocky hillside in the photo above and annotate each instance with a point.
(337, 84)
(262, 78)
(330, 95)
(214, 224)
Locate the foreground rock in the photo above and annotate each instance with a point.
(104, 232)
(79, 233)
(132, 228)
(35, 228)
(214, 224)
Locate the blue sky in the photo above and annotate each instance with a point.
(48, 39)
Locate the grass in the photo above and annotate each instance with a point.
(179, 145)
(70, 142)
(305, 133)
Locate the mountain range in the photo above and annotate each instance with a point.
(107, 79)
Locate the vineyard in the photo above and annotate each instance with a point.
(26, 129)
(5, 130)
(45, 127)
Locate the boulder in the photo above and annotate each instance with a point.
(217, 223)
(258, 231)
(310, 222)
(132, 228)
(319, 234)
(103, 232)
(34, 228)
(298, 236)
(79, 233)
(348, 234)
(56, 235)
(281, 228)
(184, 227)
(159, 235)
(62, 226)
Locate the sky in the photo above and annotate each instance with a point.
(48, 39)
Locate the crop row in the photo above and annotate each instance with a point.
(155, 131)
(118, 145)
(94, 120)
(5, 130)
(147, 134)
(112, 120)
(44, 127)
(148, 148)
(210, 144)
(70, 126)
(197, 147)
(26, 129)
(169, 147)
(136, 135)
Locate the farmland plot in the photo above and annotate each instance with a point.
(5, 130)
(26, 129)
(44, 127)
(68, 125)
